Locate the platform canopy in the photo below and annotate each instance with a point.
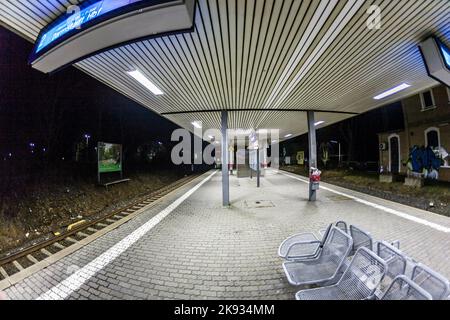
(276, 55)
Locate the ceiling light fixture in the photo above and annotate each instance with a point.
(145, 82)
(319, 123)
(288, 135)
(392, 91)
(197, 124)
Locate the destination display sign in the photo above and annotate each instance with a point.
(96, 26)
(76, 19)
(436, 57)
(445, 51)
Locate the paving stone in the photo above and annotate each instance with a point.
(204, 251)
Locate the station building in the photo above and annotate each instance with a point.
(426, 123)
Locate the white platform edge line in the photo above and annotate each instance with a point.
(379, 207)
(65, 288)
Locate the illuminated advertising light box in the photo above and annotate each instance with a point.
(99, 25)
(436, 56)
(109, 157)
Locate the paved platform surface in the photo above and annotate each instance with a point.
(201, 250)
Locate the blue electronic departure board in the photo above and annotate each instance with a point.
(76, 20)
(95, 26)
(445, 51)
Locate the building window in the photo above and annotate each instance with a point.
(427, 100)
(432, 138)
(394, 153)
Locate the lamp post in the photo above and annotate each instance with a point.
(339, 154)
(87, 137)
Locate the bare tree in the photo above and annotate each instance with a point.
(347, 130)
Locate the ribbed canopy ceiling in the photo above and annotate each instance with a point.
(265, 54)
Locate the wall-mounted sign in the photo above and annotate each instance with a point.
(99, 25)
(253, 137)
(436, 56)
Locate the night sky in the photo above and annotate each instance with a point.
(54, 112)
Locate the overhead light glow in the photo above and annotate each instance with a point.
(319, 123)
(274, 141)
(145, 82)
(288, 135)
(392, 91)
(197, 124)
(243, 132)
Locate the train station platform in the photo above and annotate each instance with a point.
(187, 246)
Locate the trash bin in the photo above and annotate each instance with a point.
(314, 177)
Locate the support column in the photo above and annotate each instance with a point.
(225, 155)
(258, 169)
(312, 151)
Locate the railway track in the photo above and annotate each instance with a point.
(14, 262)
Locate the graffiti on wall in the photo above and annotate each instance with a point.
(425, 162)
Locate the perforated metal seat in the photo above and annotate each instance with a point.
(325, 266)
(339, 224)
(403, 288)
(396, 244)
(396, 262)
(431, 281)
(359, 281)
(302, 246)
(360, 239)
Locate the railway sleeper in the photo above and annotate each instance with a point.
(17, 265)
